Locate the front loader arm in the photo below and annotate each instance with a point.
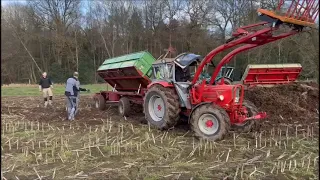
(238, 50)
(245, 39)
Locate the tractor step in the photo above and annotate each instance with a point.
(270, 74)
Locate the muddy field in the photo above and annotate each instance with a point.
(40, 143)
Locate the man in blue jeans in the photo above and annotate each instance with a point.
(72, 92)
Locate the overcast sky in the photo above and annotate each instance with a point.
(6, 2)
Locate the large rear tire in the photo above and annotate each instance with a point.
(247, 125)
(99, 102)
(227, 81)
(124, 106)
(210, 122)
(161, 107)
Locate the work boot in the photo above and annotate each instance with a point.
(45, 104)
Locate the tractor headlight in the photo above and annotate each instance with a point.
(237, 97)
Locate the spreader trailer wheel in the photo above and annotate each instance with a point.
(99, 102)
(247, 125)
(161, 107)
(210, 122)
(124, 106)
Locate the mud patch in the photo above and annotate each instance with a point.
(287, 104)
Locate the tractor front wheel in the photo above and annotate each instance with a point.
(99, 102)
(210, 121)
(124, 106)
(247, 125)
(161, 107)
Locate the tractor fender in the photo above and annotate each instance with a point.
(161, 83)
(195, 107)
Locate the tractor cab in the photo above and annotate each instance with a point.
(185, 65)
(178, 69)
(177, 73)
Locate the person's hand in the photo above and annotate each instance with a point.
(51, 87)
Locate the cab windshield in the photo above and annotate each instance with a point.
(163, 71)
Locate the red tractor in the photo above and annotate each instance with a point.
(212, 108)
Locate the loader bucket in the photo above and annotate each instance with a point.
(297, 12)
(271, 74)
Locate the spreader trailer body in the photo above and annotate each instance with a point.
(167, 90)
(128, 76)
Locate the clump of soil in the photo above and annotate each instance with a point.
(287, 104)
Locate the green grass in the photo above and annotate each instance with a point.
(33, 90)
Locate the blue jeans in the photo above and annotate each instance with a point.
(72, 107)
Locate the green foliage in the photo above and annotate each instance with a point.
(57, 73)
(86, 70)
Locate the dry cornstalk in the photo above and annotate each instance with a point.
(34, 169)
(315, 161)
(309, 161)
(60, 158)
(255, 169)
(274, 167)
(10, 144)
(227, 158)
(256, 139)
(236, 174)
(192, 152)
(17, 143)
(100, 151)
(278, 167)
(241, 174)
(154, 141)
(54, 173)
(132, 128)
(205, 148)
(234, 140)
(110, 127)
(289, 166)
(283, 166)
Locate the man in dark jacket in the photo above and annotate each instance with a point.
(72, 92)
(45, 85)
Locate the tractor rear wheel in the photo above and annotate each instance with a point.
(210, 121)
(124, 106)
(99, 102)
(227, 81)
(247, 125)
(161, 107)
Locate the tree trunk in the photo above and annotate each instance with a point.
(77, 54)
